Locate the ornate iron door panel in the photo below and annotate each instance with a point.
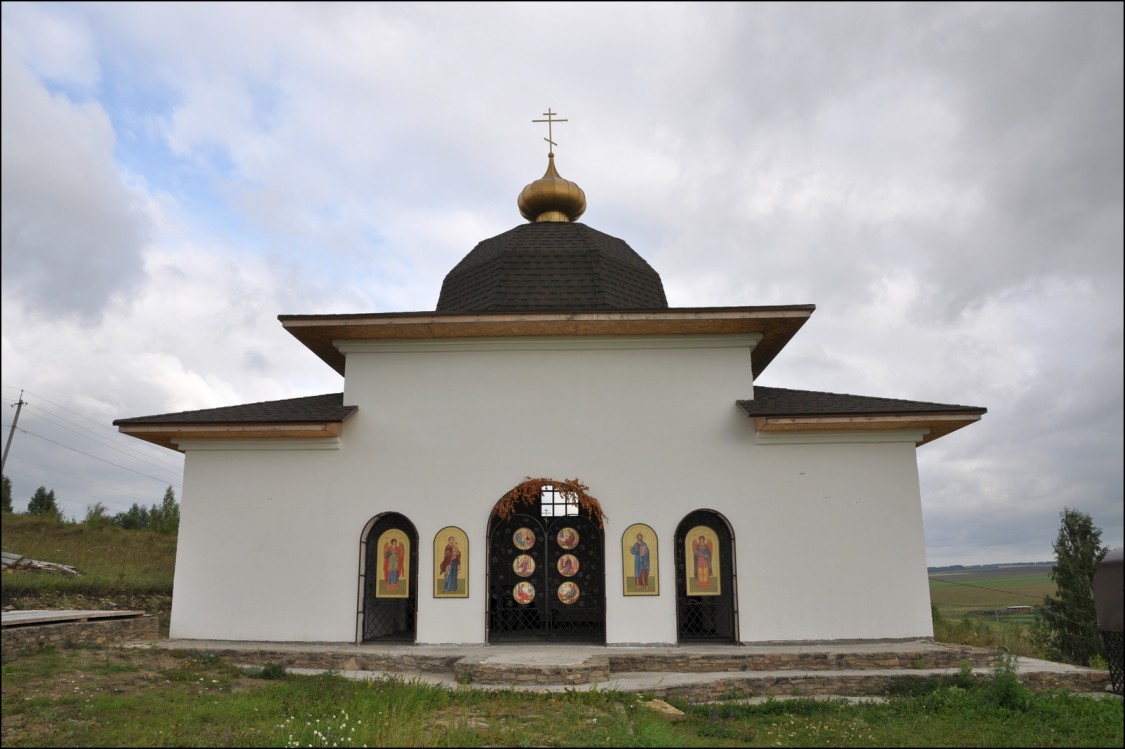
(546, 579)
(704, 612)
(390, 618)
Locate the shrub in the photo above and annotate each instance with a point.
(97, 516)
(272, 671)
(1004, 689)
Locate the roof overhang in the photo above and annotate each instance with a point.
(932, 426)
(776, 324)
(171, 435)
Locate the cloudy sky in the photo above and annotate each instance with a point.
(943, 181)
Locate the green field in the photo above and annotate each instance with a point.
(989, 591)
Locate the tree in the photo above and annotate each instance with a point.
(165, 518)
(7, 493)
(1070, 619)
(136, 517)
(97, 516)
(43, 503)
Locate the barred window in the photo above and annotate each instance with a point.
(554, 504)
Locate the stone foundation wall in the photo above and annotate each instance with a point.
(949, 657)
(750, 674)
(342, 661)
(93, 632)
(599, 669)
(849, 685)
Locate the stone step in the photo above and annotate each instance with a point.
(701, 687)
(506, 666)
(687, 673)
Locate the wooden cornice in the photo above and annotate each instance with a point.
(777, 325)
(935, 425)
(170, 435)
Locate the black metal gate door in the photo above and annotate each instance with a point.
(546, 579)
(390, 618)
(707, 612)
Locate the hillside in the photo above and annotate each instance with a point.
(117, 568)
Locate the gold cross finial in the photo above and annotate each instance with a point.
(550, 121)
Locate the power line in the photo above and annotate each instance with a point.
(102, 442)
(55, 470)
(68, 490)
(54, 417)
(95, 457)
(12, 432)
(158, 454)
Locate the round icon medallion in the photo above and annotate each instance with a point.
(568, 593)
(523, 593)
(568, 565)
(523, 538)
(567, 538)
(523, 565)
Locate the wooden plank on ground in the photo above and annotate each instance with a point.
(46, 616)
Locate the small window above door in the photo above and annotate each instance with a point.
(554, 504)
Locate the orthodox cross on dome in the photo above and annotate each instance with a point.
(550, 121)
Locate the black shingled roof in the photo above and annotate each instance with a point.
(785, 402)
(767, 401)
(311, 409)
(550, 265)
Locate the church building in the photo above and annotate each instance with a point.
(553, 454)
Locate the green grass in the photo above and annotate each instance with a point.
(85, 698)
(1011, 637)
(949, 716)
(111, 560)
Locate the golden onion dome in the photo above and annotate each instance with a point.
(552, 198)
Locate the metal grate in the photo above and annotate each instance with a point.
(551, 614)
(1114, 657)
(390, 619)
(705, 617)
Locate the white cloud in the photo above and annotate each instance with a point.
(71, 230)
(57, 46)
(944, 182)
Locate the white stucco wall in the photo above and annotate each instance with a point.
(827, 535)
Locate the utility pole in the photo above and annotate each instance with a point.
(19, 405)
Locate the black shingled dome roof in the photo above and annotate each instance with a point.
(561, 266)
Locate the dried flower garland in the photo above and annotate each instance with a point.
(528, 491)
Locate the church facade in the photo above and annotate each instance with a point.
(553, 454)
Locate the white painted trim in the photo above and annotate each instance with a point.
(840, 436)
(540, 343)
(313, 443)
